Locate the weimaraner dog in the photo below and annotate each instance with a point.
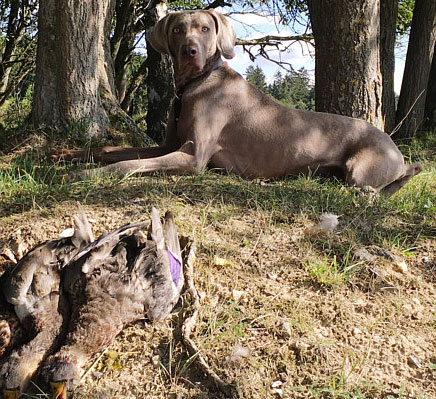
(219, 119)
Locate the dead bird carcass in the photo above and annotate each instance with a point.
(111, 282)
(114, 281)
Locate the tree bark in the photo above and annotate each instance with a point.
(388, 19)
(410, 110)
(81, 25)
(74, 88)
(348, 77)
(430, 100)
(159, 80)
(45, 110)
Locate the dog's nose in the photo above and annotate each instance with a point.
(189, 50)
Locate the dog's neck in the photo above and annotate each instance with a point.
(212, 64)
(181, 89)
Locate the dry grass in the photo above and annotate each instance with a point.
(283, 313)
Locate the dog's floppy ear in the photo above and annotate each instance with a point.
(158, 36)
(226, 36)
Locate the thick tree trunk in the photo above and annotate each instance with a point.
(430, 100)
(348, 78)
(388, 19)
(159, 80)
(410, 110)
(45, 110)
(81, 25)
(74, 88)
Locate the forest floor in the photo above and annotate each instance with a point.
(287, 311)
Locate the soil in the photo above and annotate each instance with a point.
(268, 326)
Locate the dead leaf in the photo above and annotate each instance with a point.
(221, 262)
(401, 266)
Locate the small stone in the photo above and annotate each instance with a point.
(67, 233)
(357, 331)
(276, 384)
(155, 360)
(363, 254)
(413, 361)
(286, 329)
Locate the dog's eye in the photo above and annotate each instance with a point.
(176, 30)
(205, 29)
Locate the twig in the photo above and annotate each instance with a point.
(85, 374)
(408, 112)
(189, 325)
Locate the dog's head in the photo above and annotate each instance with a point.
(193, 39)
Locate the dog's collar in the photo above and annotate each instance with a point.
(181, 90)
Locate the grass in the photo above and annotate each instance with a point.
(317, 320)
(331, 272)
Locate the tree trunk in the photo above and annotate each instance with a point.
(81, 25)
(159, 80)
(348, 77)
(45, 110)
(74, 87)
(410, 110)
(388, 19)
(430, 100)
(122, 43)
(135, 83)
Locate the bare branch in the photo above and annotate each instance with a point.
(271, 40)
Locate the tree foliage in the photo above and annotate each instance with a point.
(18, 31)
(293, 89)
(17, 44)
(404, 17)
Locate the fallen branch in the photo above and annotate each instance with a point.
(189, 326)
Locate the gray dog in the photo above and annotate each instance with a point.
(219, 119)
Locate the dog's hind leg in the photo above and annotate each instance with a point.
(410, 171)
(380, 168)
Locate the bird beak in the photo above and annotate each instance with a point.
(11, 393)
(58, 390)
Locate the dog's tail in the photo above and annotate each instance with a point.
(409, 172)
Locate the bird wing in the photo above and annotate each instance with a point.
(37, 273)
(161, 267)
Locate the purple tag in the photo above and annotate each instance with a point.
(175, 267)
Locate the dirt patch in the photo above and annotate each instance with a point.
(283, 314)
